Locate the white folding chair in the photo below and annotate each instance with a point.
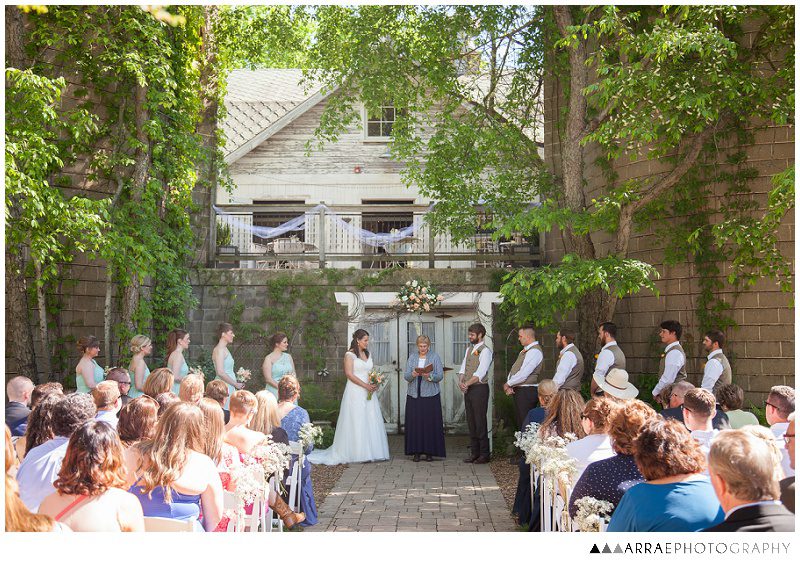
(295, 478)
(256, 520)
(273, 520)
(546, 503)
(561, 518)
(153, 524)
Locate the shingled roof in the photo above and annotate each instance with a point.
(260, 102)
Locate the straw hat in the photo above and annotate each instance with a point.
(616, 384)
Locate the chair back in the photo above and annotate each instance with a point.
(295, 477)
(153, 524)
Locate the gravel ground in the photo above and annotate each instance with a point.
(506, 475)
(323, 478)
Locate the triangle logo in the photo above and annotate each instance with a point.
(594, 549)
(618, 549)
(606, 549)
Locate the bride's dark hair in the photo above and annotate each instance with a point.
(357, 336)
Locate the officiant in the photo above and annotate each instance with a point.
(424, 424)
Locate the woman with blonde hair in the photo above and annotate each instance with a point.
(191, 389)
(90, 489)
(177, 343)
(266, 419)
(88, 373)
(564, 415)
(171, 474)
(158, 382)
(141, 346)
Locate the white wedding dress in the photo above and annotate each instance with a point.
(360, 434)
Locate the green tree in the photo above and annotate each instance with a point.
(668, 83)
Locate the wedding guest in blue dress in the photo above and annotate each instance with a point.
(223, 360)
(522, 499)
(177, 343)
(292, 419)
(677, 496)
(277, 363)
(171, 475)
(88, 373)
(424, 424)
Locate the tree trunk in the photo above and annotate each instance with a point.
(204, 192)
(19, 338)
(43, 333)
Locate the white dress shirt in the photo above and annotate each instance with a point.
(713, 370)
(778, 430)
(533, 358)
(110, 417)
(566, 363)
(484, 362)
(604, 360)
(588, 450)
(39, 469)
(673, 361)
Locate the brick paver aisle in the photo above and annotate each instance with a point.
(400, 495)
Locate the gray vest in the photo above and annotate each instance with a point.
(573, 381)
(681, 371)
(727, 376)
(473, 361)
(619, 357)
(533, 377)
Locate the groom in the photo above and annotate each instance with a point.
(473, 381)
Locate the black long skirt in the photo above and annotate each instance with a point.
(424, 426)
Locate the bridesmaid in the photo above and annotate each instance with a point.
(277, 363)
(424, 424)
(88, 373)
(141, 346)
(177, 342)
(223, 360)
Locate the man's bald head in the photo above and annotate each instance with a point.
(19, 390)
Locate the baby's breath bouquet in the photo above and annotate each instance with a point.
(417, 296)
(590, 512)
(309, 434)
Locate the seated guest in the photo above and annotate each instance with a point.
(616, 385)
(18, 517)
(165, 400)
(43, 463)
(731, 398)
(292, 419)
(18, 390)
(137, 422)
(745, 472)
(787, 484)
(106, 398)
(41, 391)
(675, 409)
(610, 478)
(171, 475)
(217, 390)
(676, 497)
(191, 389)
(596, 446)
(40, 424)
(123, 380)
(699, 407)
(564, 415)
(522, 499)
(243, 406)
(266, 418)
(157, 382)
(226, 458)
(90, 489)
(779, 404)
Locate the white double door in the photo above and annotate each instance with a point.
(393, 339)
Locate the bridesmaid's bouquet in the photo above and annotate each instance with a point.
(197, 371)
(309, 434)
(376, 379)
(243, 375)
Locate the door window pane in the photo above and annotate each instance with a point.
(428, 328)
(378, 342)
(460, 342)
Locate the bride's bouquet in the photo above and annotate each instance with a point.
(309, 434)
(376, 379)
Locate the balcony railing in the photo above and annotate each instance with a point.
(361, 236)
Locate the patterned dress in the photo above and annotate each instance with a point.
(292, 423)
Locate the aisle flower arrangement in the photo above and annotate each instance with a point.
(590, 512)
(417, 296)
(309, 435)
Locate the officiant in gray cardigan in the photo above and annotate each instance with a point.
(424, 424)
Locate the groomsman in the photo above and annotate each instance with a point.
(610, 356)
(717, 371)
(473, 381)
(570, 362)
(673, 361)
(523, 378)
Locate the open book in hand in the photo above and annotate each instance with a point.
(425, 369)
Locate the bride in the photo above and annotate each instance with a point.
(360, 434)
